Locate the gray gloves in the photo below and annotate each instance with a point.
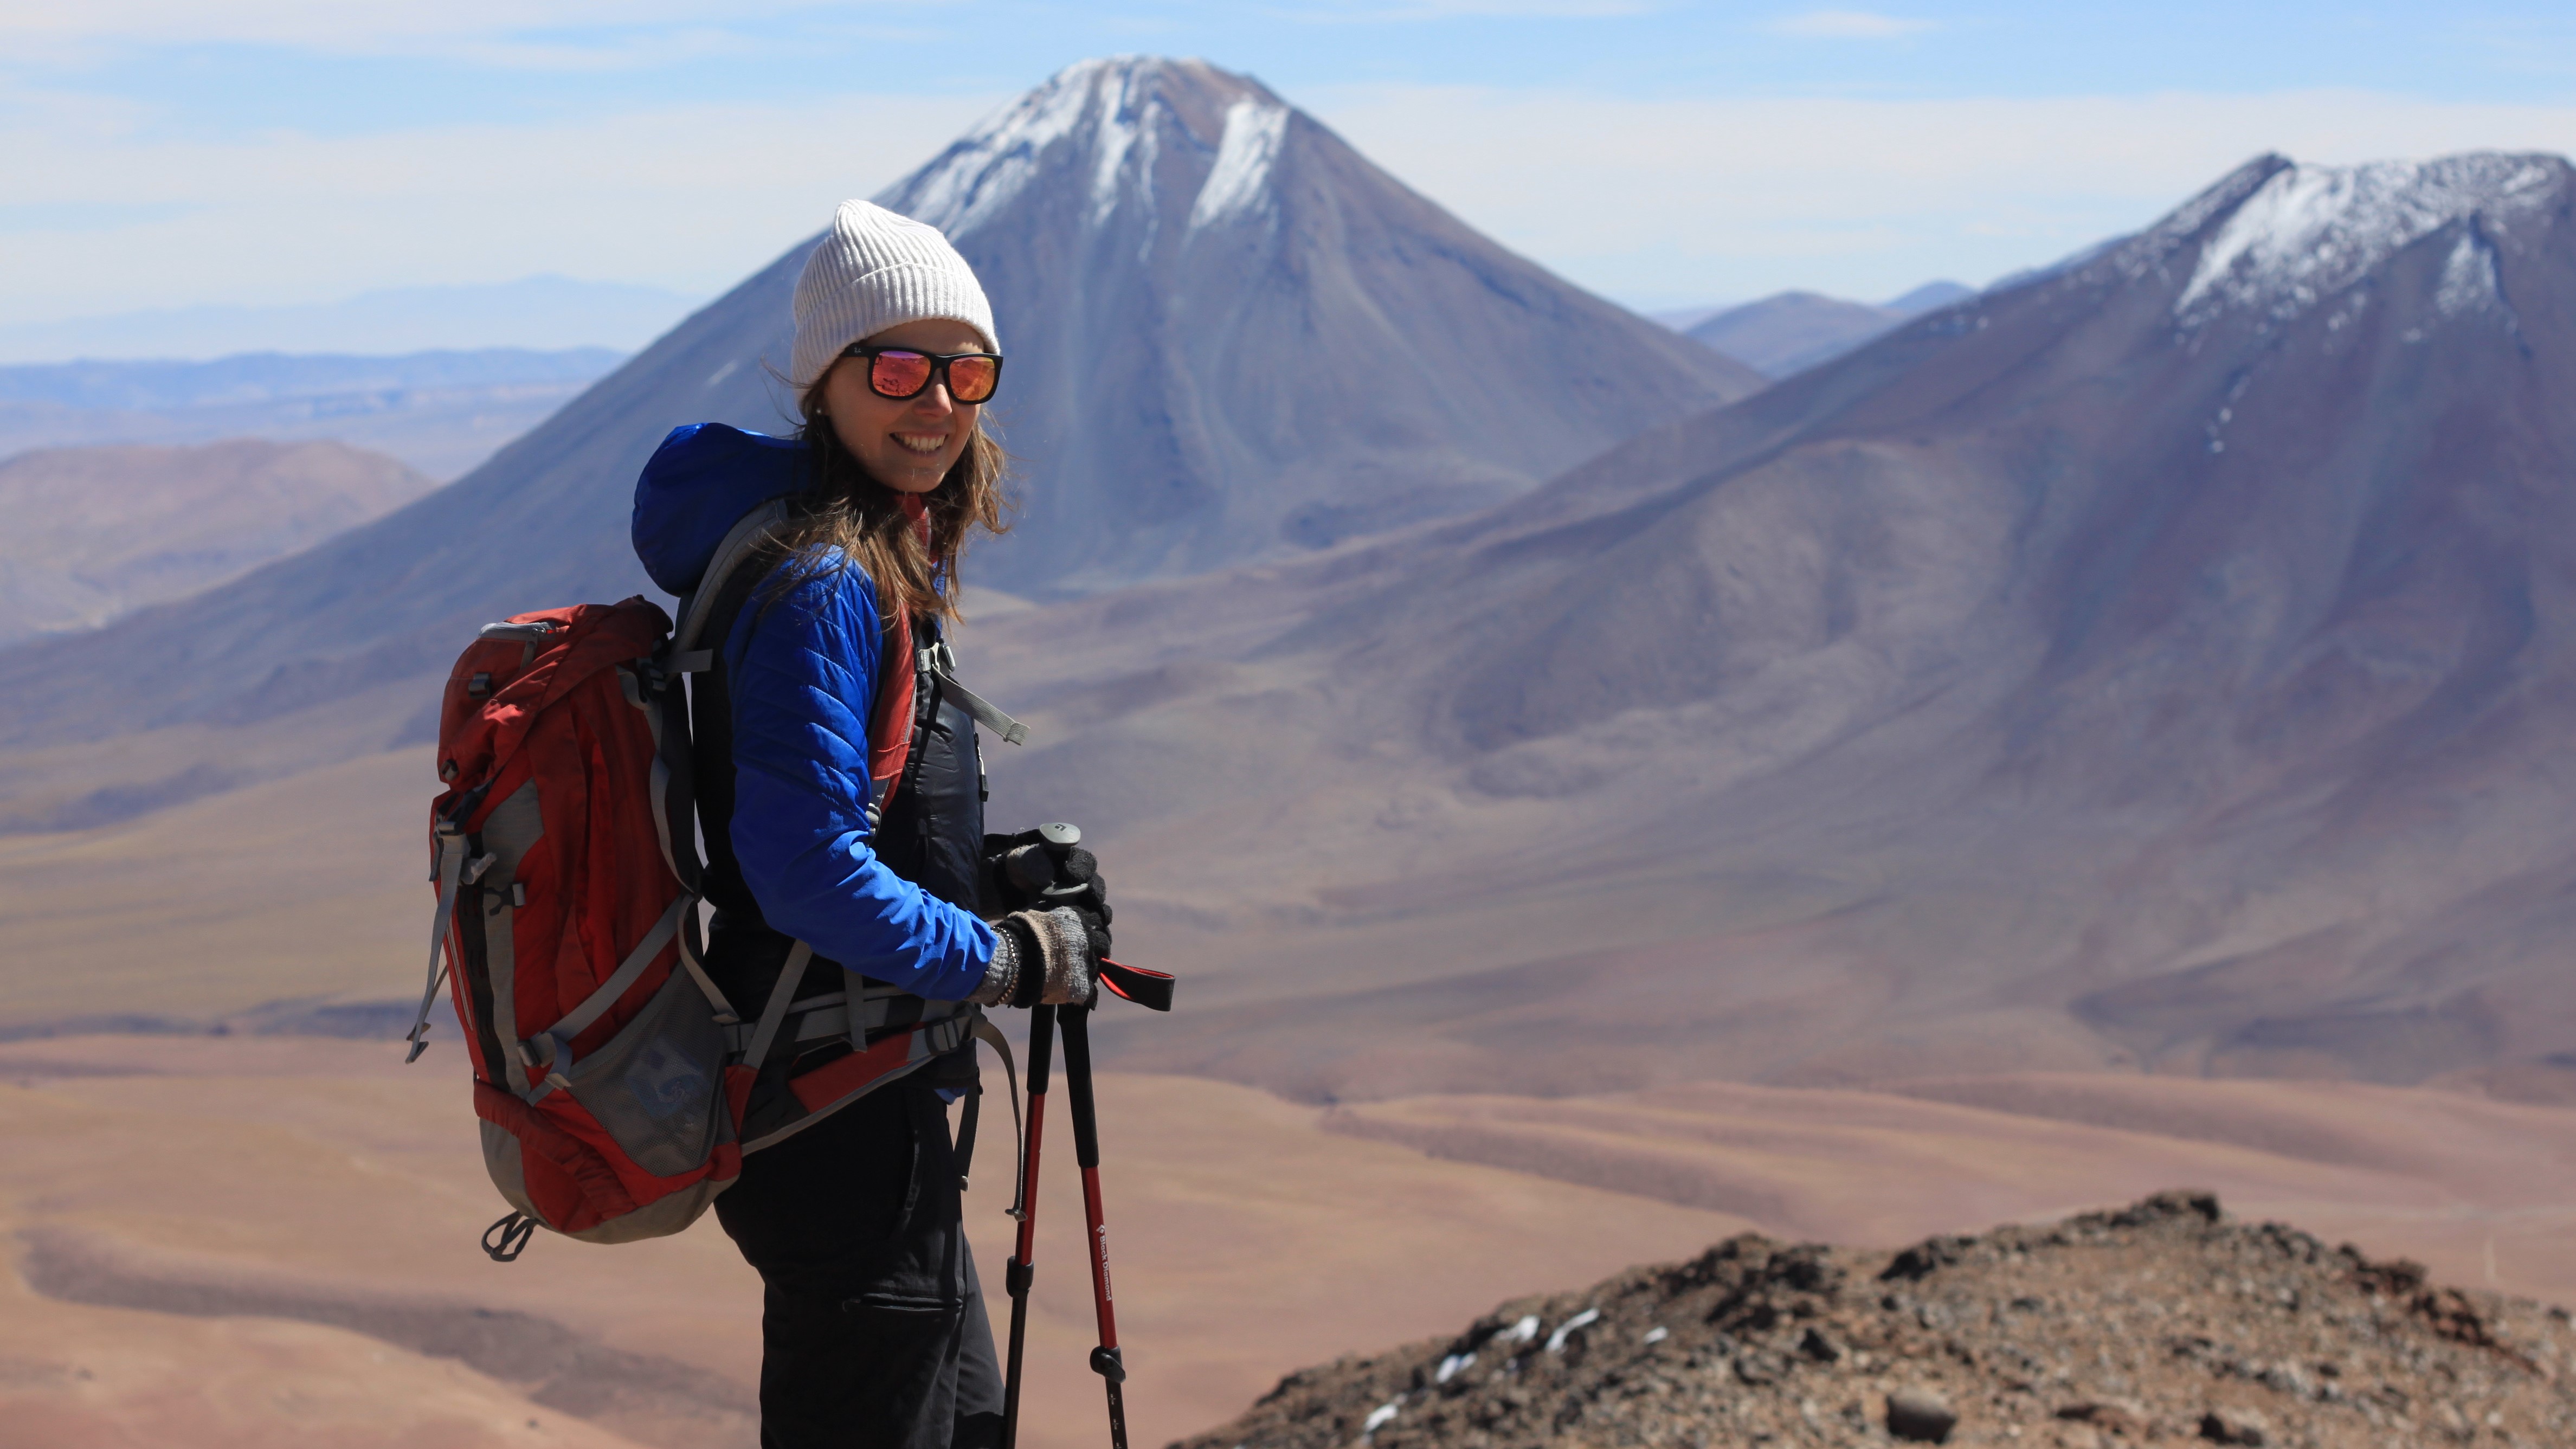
(1042, 958)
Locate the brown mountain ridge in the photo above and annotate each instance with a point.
(98, 532)
(2165, 1321)
(2162, 662)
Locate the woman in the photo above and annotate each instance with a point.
(839, 789)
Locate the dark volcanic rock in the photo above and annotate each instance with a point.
(2235, 1426)
(2158, 1322)
(1920, 1415)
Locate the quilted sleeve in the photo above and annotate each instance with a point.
(802, 673)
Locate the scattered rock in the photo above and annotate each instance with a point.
(2119, 1416)
(1759, 1369)
(1920, 1415)
(2144, 1326)
(2235, 1426)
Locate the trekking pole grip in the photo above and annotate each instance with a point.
(1075, 1024)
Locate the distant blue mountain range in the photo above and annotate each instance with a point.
(441, 411)
(1789, 332)
(257, 377)
(545, 312)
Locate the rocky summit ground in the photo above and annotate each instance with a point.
(2163, 1322)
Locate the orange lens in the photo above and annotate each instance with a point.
(899, 374)
(972, 379)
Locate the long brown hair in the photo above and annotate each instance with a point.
(847, 510)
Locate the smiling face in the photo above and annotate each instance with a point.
(910, 445)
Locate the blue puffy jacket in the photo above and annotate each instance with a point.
(803, 675)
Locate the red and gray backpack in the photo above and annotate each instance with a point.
(611, 1075)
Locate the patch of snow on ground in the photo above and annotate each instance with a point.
(979, 174)
(1451, 1366)
(1240, 179)
(2309, 231)
(1122, 129)
(1380, 1417)
(2468, 278)
(1556, 1340)
(1521, 1332)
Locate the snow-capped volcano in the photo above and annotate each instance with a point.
(1112, 114)
(1232, 336)
(2294, 236)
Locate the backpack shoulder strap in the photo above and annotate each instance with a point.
(691, 652)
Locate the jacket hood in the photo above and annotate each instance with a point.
(703, 479)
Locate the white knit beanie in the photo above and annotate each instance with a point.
(876, 270)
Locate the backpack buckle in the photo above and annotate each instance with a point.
(546, 1073)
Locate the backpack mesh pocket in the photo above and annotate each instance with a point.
(654, 1087)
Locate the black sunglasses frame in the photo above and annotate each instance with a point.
(938, 371)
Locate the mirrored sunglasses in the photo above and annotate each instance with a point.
(899, 373)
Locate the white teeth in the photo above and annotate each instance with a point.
(921, 442)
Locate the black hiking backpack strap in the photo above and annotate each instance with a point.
(750, 551)
(930, 829)
(819, 1027)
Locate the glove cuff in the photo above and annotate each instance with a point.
(1002, 973)
(1058, 969)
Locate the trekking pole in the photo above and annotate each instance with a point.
(1023, 1264)
(1105, 1359)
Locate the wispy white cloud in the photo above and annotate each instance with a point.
(1653, 201)
(1349, 11)
(586, 34)
(1706, 200)
(1848, 25)
(690, 197)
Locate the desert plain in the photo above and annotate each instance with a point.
(226, 1229)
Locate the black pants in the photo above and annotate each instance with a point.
(873, 1334)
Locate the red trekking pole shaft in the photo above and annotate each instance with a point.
(1023, 1264)
(1105, 1359)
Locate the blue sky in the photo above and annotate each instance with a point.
(156, 153)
